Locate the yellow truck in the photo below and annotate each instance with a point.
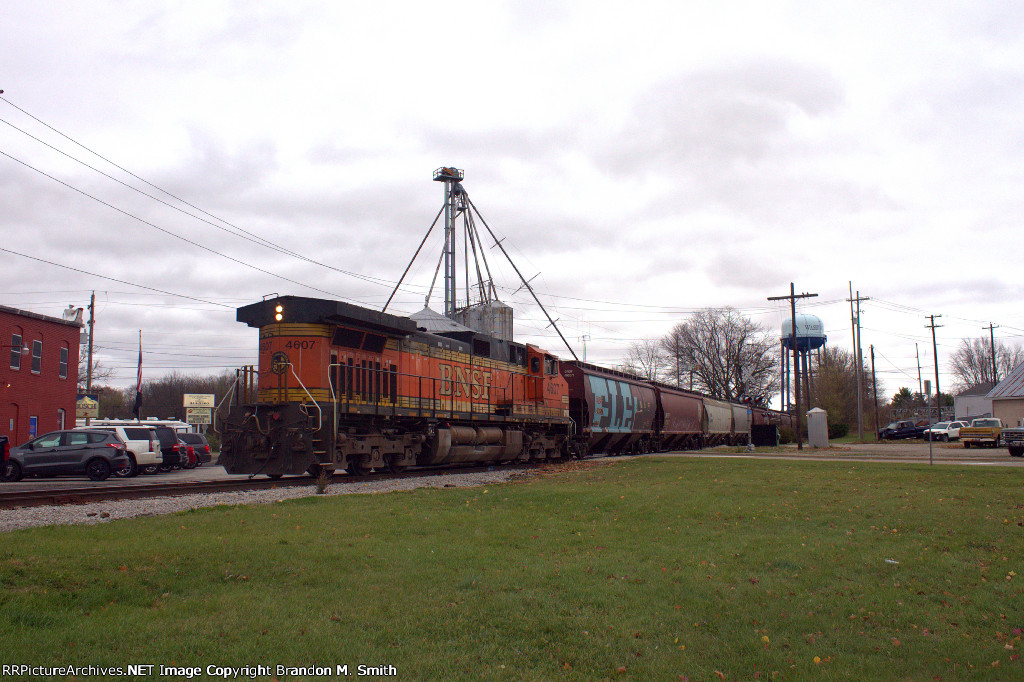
(983, 432)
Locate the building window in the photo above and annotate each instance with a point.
(15, 351)
(37, 357)
(64, 353)
(60, 418)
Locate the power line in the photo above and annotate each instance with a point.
(166, 231)
(112, 279)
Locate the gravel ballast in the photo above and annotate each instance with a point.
(101, 512)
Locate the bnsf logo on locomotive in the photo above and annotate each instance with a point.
(468, 383)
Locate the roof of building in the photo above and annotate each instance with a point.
(37, 316)
(1010, 387)
(434, 322)
(978, 389)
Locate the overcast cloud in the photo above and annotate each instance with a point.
(640, 160)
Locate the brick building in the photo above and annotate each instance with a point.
(38, 373)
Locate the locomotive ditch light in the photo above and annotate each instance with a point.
(279, 313)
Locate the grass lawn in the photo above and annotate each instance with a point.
(649, 569)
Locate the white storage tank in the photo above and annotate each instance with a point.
(492, 319)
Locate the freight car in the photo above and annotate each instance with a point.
(340, 386)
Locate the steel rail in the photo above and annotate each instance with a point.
(14, 499)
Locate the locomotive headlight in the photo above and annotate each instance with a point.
(279, 310)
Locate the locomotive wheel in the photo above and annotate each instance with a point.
(391, 460)
(357, 469)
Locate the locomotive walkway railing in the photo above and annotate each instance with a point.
(382, 392)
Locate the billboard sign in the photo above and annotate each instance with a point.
(198, 415)
(87, 406)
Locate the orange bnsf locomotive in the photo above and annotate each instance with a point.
(344, 387)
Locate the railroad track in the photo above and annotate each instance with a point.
(14, 499)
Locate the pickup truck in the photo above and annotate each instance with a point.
(1014, 439)
(984, 431)
(901, 429)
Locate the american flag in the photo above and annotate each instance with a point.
(138, 383)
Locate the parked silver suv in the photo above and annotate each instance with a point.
(94, 453)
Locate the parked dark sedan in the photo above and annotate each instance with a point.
(201, 446)
(93, 453)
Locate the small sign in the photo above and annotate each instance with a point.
(87, 406)
(198, 415)
(199, 400)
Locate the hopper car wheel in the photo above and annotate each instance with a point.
(391, 460)
(967, 445)
(274, 476)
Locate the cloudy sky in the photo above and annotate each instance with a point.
(642, 160)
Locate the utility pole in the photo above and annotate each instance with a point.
(858, 359)
(874, 390)
(796, 357)
(88, 367)
(935, 352)
(917, 355)
(92, 323)
(992, 335)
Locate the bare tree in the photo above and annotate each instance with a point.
(834, 388)
(645, 359)
(114, 402)
(730, 356)
(677, 368)
(163, 397)
(100, 372)
(971, 363)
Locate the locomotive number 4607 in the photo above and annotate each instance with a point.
(296, 344)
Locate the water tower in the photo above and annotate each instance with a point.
(810, 335)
